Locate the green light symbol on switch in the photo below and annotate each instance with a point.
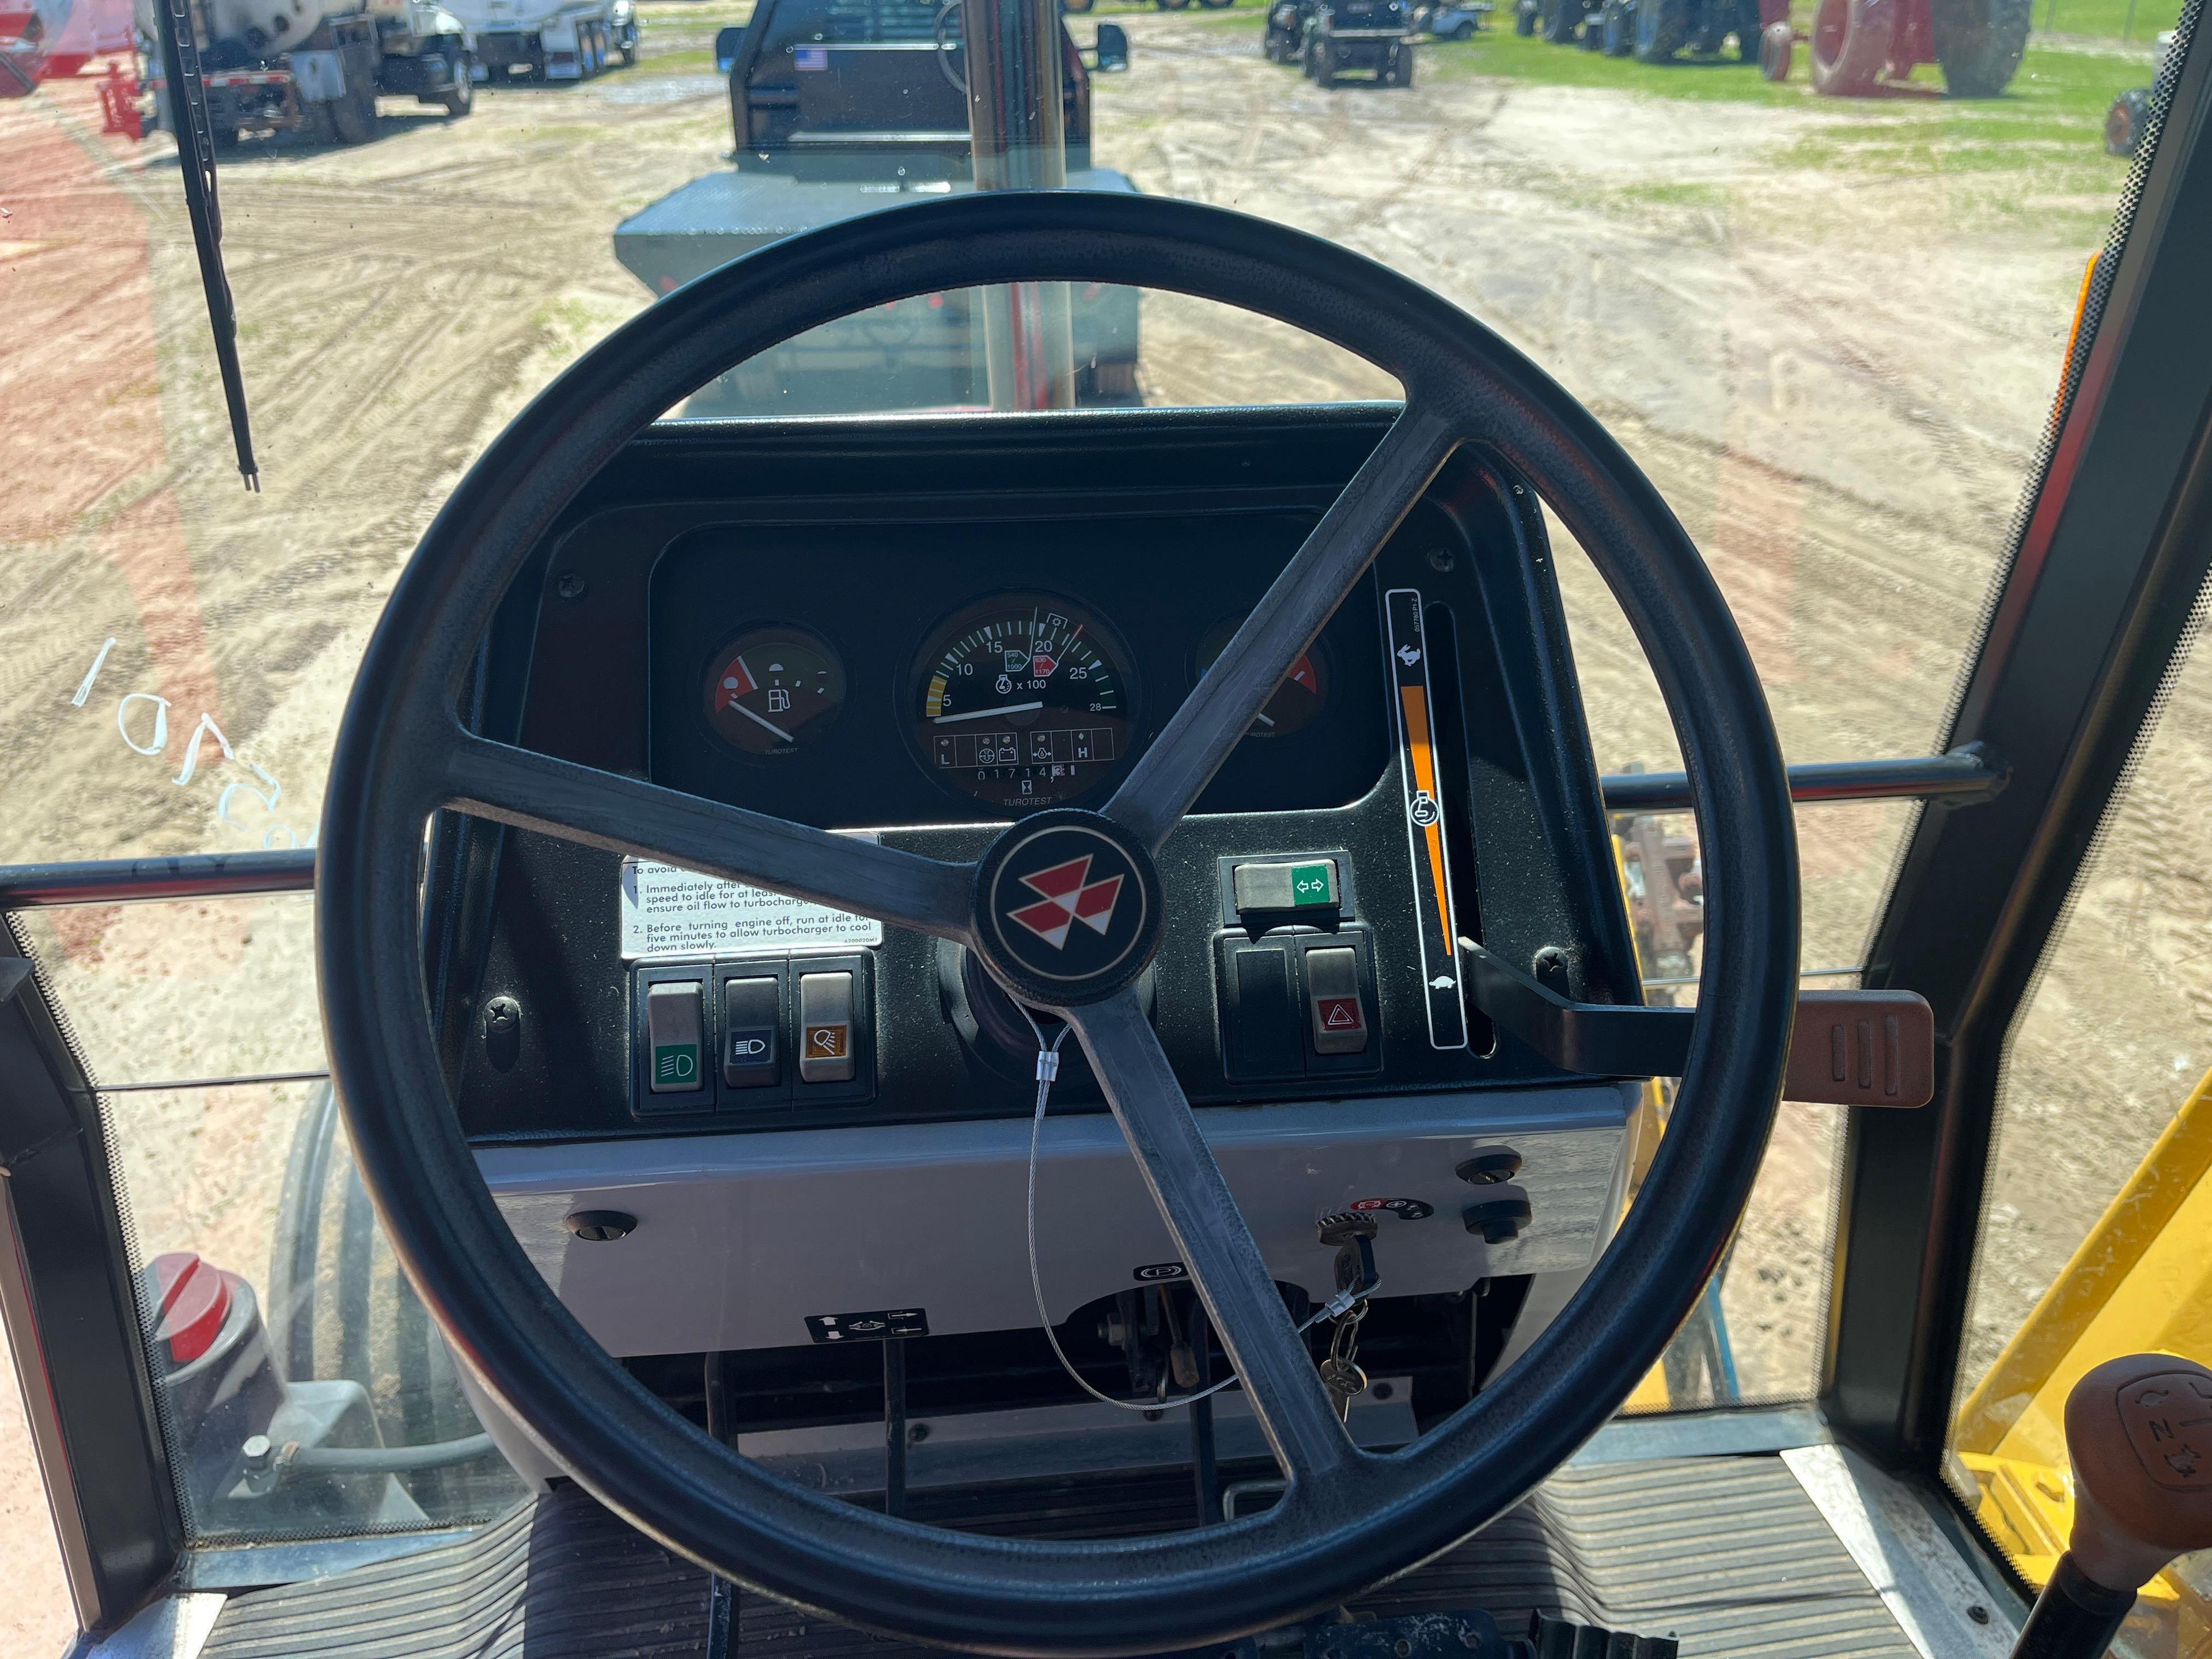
(1312, 883)
(675, 1062)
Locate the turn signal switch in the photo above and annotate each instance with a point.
(2139, 1433)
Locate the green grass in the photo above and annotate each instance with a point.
(679, 62)
(1498, 51)
(2113, 19)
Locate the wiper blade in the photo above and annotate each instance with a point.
(188, 114)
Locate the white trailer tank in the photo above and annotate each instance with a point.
(550, 39)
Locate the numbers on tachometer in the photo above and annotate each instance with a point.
(1023, 701)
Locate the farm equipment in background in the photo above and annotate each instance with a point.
(550, 39)
(1373, 35)
(2128, 122)
(1650, 31)
(1855, 44)
(1451, 19)
(50, 39)
(319, 65)
(840, 108)
(1328, 37)
(1663, 879)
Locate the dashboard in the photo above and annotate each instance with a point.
(920, 630)
(860, 626)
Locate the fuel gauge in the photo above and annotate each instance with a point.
(773, 690)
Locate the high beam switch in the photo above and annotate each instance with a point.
(751, 1015)
(675, 1028)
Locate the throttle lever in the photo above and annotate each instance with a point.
(2139, 1434)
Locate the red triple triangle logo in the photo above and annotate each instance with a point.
(1069, 896)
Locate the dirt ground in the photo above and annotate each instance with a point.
(1837, 380)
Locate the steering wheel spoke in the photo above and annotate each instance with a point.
(1231, 1276)
(625, 815)
(1174, 772)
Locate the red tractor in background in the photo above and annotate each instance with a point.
(1857, 44)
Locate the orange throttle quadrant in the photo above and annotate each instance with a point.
(1425, 816)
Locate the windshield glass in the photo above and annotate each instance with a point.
(1830, 327)
(1815, 263)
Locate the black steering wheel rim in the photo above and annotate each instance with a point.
(996, 1594)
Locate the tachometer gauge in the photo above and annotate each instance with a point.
(1298, 701)
(1023, 701)
(772, 690)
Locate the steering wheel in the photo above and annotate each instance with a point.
(1349, 1517)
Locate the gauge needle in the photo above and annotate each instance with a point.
(976, 713)
(765, 726)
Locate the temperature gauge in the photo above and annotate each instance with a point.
(1297, 701)
(775, 690)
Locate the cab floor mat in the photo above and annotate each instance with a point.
(1727, 1554)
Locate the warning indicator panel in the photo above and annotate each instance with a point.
(1407, 643)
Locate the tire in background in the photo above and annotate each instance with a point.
(1321, 63)
(2126, 121)
(1776, 48)
(353, 116)
(1978, 43)
(339, 1306)
(1747, 32)
(461, 97)
(1524, 17)
(1560, 18)
(1617, 28)
(1592, 37)
(1851, 41)
(1662, 25)
(1400, 70)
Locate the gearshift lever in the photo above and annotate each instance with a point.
(2139, 1432)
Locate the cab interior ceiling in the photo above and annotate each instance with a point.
(701, 529)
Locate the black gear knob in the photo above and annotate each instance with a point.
(2139, 1434)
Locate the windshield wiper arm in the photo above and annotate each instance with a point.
(180, 63)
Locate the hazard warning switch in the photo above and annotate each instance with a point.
(1333, 1005)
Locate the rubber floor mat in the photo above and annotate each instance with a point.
(1728, 1555)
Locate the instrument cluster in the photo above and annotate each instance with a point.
(1020, 700)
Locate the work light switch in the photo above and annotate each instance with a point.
(825, 1028)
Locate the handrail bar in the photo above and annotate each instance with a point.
(1960, 777)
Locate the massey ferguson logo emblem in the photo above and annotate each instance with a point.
(1069, 896)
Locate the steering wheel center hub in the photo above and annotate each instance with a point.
(1067, 908)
